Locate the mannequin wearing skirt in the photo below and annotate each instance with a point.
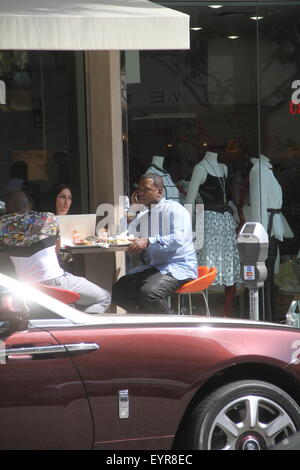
(220, 249)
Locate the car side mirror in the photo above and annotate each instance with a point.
(13, 315)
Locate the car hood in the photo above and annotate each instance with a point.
(75, 317)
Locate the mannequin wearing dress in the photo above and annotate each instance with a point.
(220, 249)
(171, 191)
(265, 206)
(265, 194)
(209, 165)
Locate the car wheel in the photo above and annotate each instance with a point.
(244, 415)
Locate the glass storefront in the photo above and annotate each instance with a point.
(43, 135)
(236, 95)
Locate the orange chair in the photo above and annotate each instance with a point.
(197, 286)
(65, 296)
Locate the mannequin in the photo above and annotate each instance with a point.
(220, 249)
(171, 191)
(265, 206)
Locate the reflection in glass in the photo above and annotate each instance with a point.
(279, 71)
(40, 132)
(236, 92)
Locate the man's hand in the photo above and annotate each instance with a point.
(138, 245)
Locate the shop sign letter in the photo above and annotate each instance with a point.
(296, 94)
(2, 92)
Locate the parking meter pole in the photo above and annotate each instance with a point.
(253, 304)
(253, 244)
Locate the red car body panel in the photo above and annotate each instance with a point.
(63, 372)
(163, 367)
(42, 401)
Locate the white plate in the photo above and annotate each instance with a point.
(91, 245)
(120, 244)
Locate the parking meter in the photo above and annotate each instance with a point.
(253, 245)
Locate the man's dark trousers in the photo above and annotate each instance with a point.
(146, 291)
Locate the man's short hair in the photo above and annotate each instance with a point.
(157, 179)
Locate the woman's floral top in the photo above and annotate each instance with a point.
(25, 229)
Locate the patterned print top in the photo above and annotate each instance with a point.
(26, 229)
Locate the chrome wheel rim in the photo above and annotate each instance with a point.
(251, 422)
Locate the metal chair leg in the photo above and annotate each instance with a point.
(206, 304)
(204, 294)
(190, 302)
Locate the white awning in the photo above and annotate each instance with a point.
(91, 25)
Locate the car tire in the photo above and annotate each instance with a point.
(243, 415)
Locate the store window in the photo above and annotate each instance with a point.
(42, 125)
(279, 74)
(229, 99)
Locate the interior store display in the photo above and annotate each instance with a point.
(238, 90)
(157, 166)
(266, 199)
(220, 248)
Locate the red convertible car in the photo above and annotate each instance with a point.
(69, 380)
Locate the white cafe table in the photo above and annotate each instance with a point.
(103, 266)
(75, 250)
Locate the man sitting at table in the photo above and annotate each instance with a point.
(165, 240)
(30, 238)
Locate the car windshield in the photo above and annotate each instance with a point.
(40, 305)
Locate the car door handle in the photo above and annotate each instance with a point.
(30, 352)
(81, 347)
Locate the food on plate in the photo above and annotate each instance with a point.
(92, 239)
(82, 242)
(120, 240)
(77, 240)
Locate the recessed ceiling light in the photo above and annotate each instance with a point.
(256, 18)
(215, 6)
(196, 28)
(233, 37)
